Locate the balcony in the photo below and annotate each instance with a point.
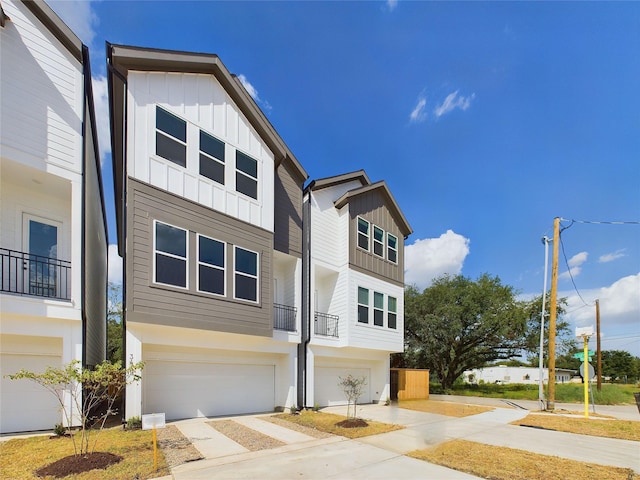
(35, 275)
(284, 317)
(326, 324)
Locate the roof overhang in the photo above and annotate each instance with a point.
(358, 175)
(382, 188)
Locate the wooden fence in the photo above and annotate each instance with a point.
(409, 384)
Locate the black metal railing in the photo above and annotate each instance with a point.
(326, 324)
(35, 275)
(284, 317)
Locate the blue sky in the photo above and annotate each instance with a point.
(486, 119)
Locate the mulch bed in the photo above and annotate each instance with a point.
(247, 437)
(74, 464)
(352, 423)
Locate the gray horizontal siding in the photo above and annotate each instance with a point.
(164, 305)
(288, 211)
(372, 207)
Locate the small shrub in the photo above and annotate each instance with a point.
(59, 430)
(293, 409)
(316, 407)
(134, 423)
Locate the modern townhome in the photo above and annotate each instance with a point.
(53, 239)
(354, 234)
(235, 299)
(209, 222)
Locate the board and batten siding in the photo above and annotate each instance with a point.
(40, 95)
(164, 305)
(372, 207)
(205, 105)
(288, 210)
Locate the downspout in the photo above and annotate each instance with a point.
(306, 300)
(122, 205)
(83, 255)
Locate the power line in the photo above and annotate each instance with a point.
(594, 222)
(569, 269)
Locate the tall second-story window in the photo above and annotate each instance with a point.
(392, 248)
(378, 241)
(211, 158)
(363, 305)
(245, 275)
(171, 137)
(378, 309)
(392, 312)
(246, 175)
(363, 234)
(211, 260)
(170, 255)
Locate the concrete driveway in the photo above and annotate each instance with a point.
(382, 456)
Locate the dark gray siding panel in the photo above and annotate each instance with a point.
(164, 305)
(288, 211)
(95, 257)
(372, 207)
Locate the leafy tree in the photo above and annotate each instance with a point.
(619, 364)
(564, 336)
(568, 361)
(458, 324)
(101, 387)
(114, 324)
(352, 388)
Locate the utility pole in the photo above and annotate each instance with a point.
(551, 400)
(598, 351)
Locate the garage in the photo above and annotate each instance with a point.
(327, 392)
(25, 405)
(200, 389)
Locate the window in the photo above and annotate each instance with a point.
(363, 305)
(392, 248)
(246, 175)
(378, 309)
(363, 234)
(211, 158)
(170, 248)
(392, 312)
(211, 259)
(378, 241)
(246, 275)
(171, 137)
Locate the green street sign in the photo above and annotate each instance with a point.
(580, 355)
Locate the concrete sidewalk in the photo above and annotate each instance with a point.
(383, 456)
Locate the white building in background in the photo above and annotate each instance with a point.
(525, 375)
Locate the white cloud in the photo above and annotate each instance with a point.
(392, 4)
(610, 257)
(418, 114)
(429, 258)
(575, 265)
(101, 102)
(78, 16)
(452, 102)
(251, 90)
(115, 265)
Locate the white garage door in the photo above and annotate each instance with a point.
(326, 389)
(24, 405)
(190, 389)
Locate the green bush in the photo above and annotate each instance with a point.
(59, 430)
(134, 423)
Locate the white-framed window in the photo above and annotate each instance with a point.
(211, 265)
(211, 157)
(363, 305)
(245, 275)
(378, 309)
(378, 241)
(392, 312)
(171, 137)
(170, 255)
(392, 248)
(363, 234)
(246, 175)
(45, 273)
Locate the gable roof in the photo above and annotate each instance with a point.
(56, 26)
(381, 188)
(359, 175)
(122, 58)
